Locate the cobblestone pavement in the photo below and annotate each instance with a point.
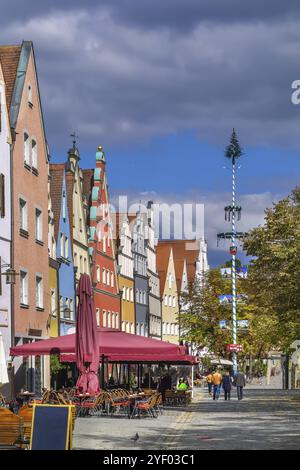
(265, 419)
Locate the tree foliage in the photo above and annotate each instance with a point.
(273, 283)
(202, 312)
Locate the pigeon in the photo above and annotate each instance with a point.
(135, 438)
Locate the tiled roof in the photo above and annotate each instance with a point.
(57, 174)
(162, 262)
(185, 249)
(9, 58)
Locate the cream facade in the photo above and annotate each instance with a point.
(170, 327)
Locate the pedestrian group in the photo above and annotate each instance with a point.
(216, 381)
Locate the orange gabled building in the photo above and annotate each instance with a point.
(102, 245)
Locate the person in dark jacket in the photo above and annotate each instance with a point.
(239, 382)
(226, 385)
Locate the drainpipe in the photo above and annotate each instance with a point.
(12, 287)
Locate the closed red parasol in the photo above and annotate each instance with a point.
(86, 344)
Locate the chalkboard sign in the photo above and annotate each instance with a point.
(51, 427)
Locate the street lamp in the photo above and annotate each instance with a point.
(10, 274)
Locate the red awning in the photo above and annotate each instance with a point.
(116, 345)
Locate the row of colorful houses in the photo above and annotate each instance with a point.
(56, 223)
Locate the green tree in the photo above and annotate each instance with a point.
(273, 284)
(202, 312)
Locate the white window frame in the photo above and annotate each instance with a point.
(103, 275)
(23, 213)
(26, 143)
(24, 286)
(39, 290)
(34, 154)
(39, 224)
(104, 318)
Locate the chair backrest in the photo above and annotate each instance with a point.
(10, 428)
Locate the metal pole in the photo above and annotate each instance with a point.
(233, 240)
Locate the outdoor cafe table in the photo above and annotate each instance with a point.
(26, 396)
(133, 399)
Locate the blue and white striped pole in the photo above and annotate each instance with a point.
(233, 273)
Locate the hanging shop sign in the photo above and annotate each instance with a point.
(234, 348)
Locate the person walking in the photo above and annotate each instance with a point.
(226, 384)
(216, 381)
(209, 383)
(239, 382)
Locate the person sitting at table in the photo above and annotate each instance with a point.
(182, 385)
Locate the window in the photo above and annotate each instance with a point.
(29, 95)
(132, 328)
(38, 225)
(117, 321)
(142, 329)
(98, 274)
(33, 153)
(23, 214)
(98, 316)
(39, 291)
(127, 327)
(137, 296)
(66, 247)
(166, 300)
(174, 301)
(103, 276)
(107, 277)
(164, 328)
(131, 294)
(112, 280)
(124, 293)
(104, 318)
(23, 287)
(123, 325)
(64, 206)
(170, 301)
(61, 239)
(127, 294)
(104, 244)
(113, 322)
(80, 264)
(108, 320)
(138, 329)
(85, 265)
(80, 225)
(26, 149)
(53, 302)
(2, 194)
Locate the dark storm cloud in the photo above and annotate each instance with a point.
(126, 71)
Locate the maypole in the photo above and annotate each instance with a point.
(233, 212)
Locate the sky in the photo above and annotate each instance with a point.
(160, 85)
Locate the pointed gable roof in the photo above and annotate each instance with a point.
(185, 250)
(9, 58)
(163, 253)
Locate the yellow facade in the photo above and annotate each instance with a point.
(126, 285)
(53, 303)
(170, 327)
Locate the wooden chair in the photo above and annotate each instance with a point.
(25, 412)
(11, 435)
(116, 403)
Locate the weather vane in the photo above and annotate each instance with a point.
(74, 139)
